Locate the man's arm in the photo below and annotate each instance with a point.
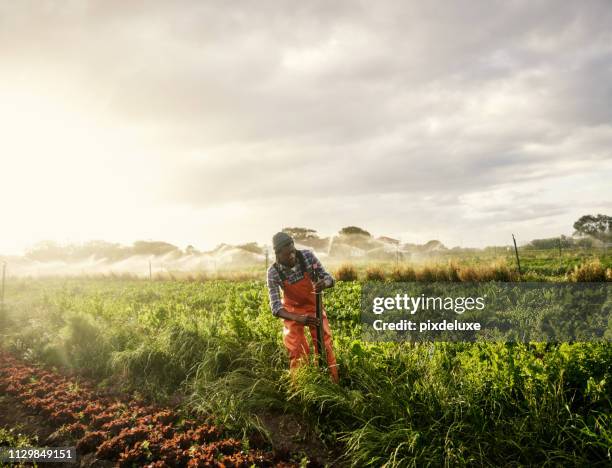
(274, 286)
(321, 273)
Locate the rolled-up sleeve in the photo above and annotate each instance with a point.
(317, 266)
(274, 287)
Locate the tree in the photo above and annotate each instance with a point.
(543, 244)
(251, 247)
(46, 251)
(191, 250)
(354, 230)
(598, 227)
(566, 241)
(357, 237)
(300, 233)
(153, 248)
(432, 245)
(100, 249)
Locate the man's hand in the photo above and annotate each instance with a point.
(303, 319)
(320, 285)
(308, 320)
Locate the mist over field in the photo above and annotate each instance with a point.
(146, 258)
(351, 245)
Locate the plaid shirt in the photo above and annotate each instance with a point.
(293, 275)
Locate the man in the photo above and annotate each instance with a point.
(293, 273)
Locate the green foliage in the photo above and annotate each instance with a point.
(11, 438)
(398, 404)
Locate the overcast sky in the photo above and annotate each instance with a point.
(200, 122)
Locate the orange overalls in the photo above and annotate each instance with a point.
(299, 298)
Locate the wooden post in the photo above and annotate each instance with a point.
(518, 261)
(150, 272)
(267, 259)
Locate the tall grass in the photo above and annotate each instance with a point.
(591, 271)
(429, 272)
(346, 272)
(403, 274)
(375, 273)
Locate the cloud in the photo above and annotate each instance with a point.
(259, 101)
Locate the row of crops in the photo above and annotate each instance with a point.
(217, 344)
(122, 431)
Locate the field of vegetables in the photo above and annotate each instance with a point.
(211, 351)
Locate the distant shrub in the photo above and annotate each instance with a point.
(590, 271)
(533, 277)
(426, 273)
(453, 272)
(502, 272)
(498, 271)
(430, 273)
(468, 274)
(374, 273)
(403, 274)
(346, 272)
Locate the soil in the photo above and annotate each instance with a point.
(290, 436)
(56, 410)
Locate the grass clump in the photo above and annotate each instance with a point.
(375, 273)
(403, 273)
(433, 272)
(346, 272)
(498, 271)
(591, 271)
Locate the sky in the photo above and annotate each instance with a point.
(200, 122)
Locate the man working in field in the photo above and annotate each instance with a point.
(293, 272)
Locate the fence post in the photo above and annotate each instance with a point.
(518, 261)
(150, 272)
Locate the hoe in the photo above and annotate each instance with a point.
(319, 315)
